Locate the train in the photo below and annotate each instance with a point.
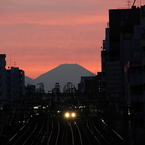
(68, 113)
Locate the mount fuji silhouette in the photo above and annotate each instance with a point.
(62, 74)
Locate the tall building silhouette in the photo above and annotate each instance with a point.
(123, 73)
(15, 85)
(143, 51)
(122, 59)
(2, 80)
(12, 84)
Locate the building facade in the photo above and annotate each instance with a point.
(3, 92)
(122, 49)
(143, 52)
(15, 84)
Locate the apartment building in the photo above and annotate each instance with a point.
(3, 94)
(122, 49)
(143, 52)
(15, 84)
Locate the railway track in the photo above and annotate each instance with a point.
(54, 130)
(96, 134)
(66, 132)
(31, 133)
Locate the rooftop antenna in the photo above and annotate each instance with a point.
(128, 3)
(133, 2)
(14, 64)
(140, 2)
(10, 62)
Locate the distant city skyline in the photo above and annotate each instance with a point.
(37, 36)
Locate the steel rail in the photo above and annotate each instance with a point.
(79, 133)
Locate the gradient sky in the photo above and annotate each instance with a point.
(39, 35)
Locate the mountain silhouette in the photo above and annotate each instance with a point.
(62, 74)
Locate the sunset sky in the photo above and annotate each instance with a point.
(39, 35)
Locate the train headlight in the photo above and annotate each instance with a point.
(70, 115)
(73, 115)
(67, 115)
